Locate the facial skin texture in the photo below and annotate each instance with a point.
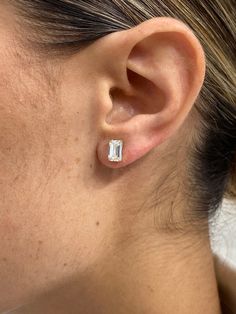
(78, 233)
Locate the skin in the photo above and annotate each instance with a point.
(72, 239)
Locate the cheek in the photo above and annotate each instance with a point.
(38, 179)
(18, 151)
(33, 176)
(16, 142)
(16, 181)
(13, 147)
(24, 156)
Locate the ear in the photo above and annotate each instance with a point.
(153, 74)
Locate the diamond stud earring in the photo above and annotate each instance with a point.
(115, 153)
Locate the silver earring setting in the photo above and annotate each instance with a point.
(115, 153)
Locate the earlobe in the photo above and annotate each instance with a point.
(165, 69)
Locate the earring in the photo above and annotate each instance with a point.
(115, 153)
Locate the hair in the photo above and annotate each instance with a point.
(70, 25)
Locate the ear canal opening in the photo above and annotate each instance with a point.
(144, 97)
(147, 92)
(124, 106)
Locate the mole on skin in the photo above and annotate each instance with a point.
(77, 161)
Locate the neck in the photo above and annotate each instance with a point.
(155, 273)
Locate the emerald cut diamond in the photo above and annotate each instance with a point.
(115, 150)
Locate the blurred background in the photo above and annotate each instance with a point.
(223, 232)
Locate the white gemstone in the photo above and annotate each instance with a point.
(115, 150)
